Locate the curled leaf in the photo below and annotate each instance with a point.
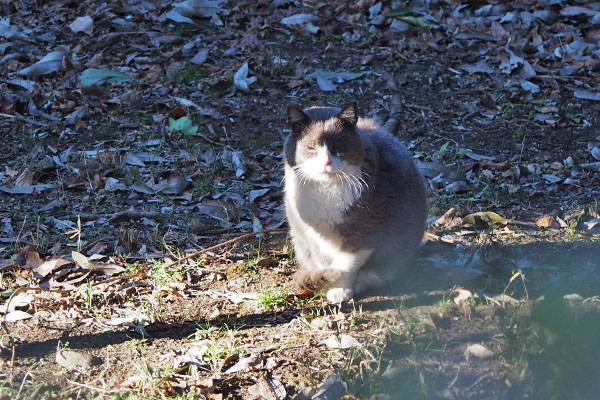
(51, 62)
(241, 79)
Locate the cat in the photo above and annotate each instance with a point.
(354, 201)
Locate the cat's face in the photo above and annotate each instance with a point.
(326, 150)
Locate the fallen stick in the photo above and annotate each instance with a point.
(225, 243)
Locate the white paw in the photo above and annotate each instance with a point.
(337, 295)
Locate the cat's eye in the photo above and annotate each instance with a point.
(310, 147)
(338, 151)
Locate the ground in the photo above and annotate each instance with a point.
(151, 136)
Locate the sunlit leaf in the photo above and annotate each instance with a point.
(485, 217)
(341, 342)
(479, 351)
(17, 315)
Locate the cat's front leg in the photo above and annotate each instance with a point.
(348, 264)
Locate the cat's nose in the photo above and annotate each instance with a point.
(328, 161)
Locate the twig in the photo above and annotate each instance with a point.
(30, 121)
(132, 214)
(104, 391)
(418, 107)
(22, 384)
(225, 243)
(395, 113)
(521, 223)
(211, 141)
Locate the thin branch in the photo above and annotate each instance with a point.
(225, 243)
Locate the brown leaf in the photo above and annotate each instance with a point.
(49, 266)
(33, 259)
(547, 221)
(25, 179)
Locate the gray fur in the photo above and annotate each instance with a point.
(388, 216)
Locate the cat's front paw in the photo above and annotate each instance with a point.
(338, 295)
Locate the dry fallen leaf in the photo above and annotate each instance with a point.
(342, 342)
(49, 266)
(484, 217)
(245, 363)
(51, 62)
(241, 79)
(478, 351)
(16, 315)
(462, 296)
(83, 24)
(76, 360)
(547, 221)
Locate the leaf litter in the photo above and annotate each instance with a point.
(132, 143)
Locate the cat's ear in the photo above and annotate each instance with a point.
(349, 113)
(297, 119)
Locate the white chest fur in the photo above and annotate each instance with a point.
(317, 208)
(320, 205)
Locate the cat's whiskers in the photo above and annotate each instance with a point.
(363, 182)
(345, 177)
(303, 178)
(353, 182)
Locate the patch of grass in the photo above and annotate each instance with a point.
(446, 300)
(187, 73)
(211, 175)
(252, 261)
(440, 204)
(432, 134)
(334, 99)
(272, 298)
(219, 343)
(274, 65)
(519, 134)
(6, 391)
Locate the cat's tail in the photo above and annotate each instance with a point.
(315, 281)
